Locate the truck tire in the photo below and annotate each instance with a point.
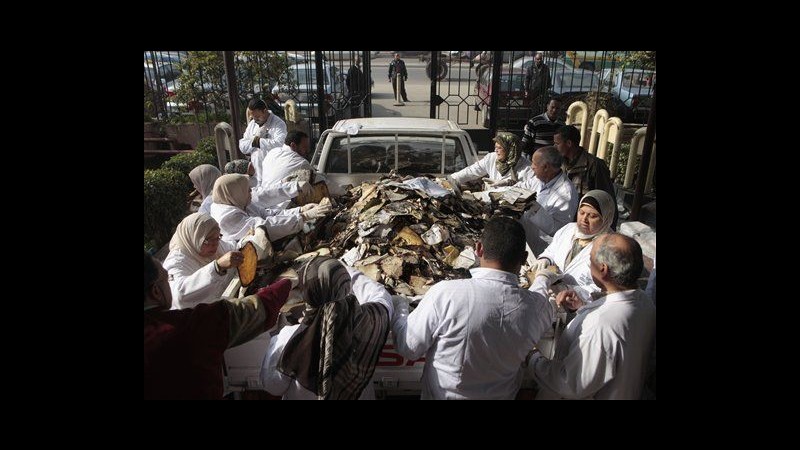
(442, 70)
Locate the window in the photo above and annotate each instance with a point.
(415, 154)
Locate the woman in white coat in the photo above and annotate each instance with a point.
(504, 167)
(236, 215)
(332, 353)
(572, 244)
(198, 262)
(203, 178)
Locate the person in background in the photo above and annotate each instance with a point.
(332, 353)
(397, 68)
(604, 350)
(537, 82)
(586, 171)
(183, 350)
(263, 133)
(356, 86)
(476, 333)
(198, 262)
(203, 178)
(539, 130)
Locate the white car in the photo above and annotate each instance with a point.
(634, 89)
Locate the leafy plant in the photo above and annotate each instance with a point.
(185, 162)
(165, 204)
(207, 145)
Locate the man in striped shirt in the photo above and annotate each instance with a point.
(540, 129)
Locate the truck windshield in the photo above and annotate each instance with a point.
(406, 154)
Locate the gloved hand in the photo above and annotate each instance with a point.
(499, 183)
(273, 297)
(551, 275)
(230, 260)
(315, 212)
(308, 207)
(541, 264)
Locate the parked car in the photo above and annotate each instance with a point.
(514, 107)
(634, 89)
(357, 150)
(303, 89)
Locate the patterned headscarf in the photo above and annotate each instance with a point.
(203, 178)
(510, 142)
(602, 202)
(232, 189)
(335, 356)
(191, 233)
(239, 166)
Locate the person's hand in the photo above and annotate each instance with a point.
(273, 297)
(551, 275)
(307, 207)
(541, 264)
(230, 259)
(498, 183)
(317, 211)
(256, 141)
(405, 79)
(569, 300)
(534, 208)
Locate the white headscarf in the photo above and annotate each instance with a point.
(191, 233)
(203, 178)
(607, 206)
(232, 189)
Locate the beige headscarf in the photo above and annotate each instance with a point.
(598, 198)
(191, 233)
(232, 189)
(510, 142)
(203, 178)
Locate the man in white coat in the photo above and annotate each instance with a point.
(263, 133)
(281, 162)
(476, 333)
(604, 350)
(556, 199)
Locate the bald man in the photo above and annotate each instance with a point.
(603, 352)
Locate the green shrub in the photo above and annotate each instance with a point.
(185, 162)
(165, 204)
(207, 145)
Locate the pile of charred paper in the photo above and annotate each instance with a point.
(408, 233)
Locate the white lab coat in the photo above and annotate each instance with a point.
(234, 223)
(277, 383)
(602, 353)
(272, 133)
(205, 206)
(577, 274)
(559, 202)
(486, 167)
(192, 282)
(475, 335)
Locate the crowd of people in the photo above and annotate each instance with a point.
(479, 336)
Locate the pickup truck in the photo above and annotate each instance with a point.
(353, 151)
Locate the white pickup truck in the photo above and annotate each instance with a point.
(357, 150)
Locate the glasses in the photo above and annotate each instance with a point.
(212, 240)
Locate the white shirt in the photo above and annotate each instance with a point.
(205, 207)
(272, 133)
(486, 167)
(603, 352)
(559, 202)
(234, 223)
(192, 282)
(475, 335)
(277, 383)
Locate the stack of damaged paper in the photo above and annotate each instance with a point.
(409, 233)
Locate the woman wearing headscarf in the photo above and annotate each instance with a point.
(198, 262)
(572, 244)
(504, 167)
(236, 215)
(332, 353)
(203, 178)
